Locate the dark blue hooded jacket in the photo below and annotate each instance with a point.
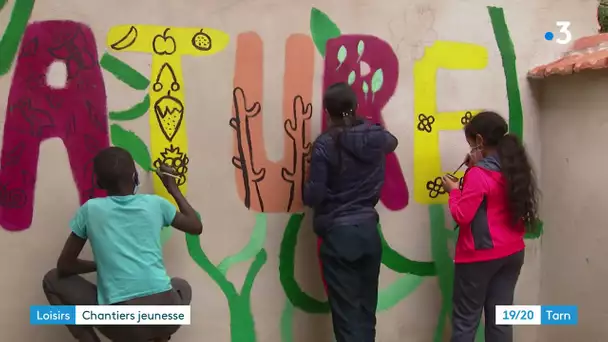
(347, 174)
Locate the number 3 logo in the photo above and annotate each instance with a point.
(563, 28)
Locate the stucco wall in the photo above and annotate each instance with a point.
(573, 126)
(239, 176)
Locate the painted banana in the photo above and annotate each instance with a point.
(127, 40)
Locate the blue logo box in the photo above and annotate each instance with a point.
(52, 315)
(558, 315)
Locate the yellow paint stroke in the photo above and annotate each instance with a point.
(168, 137)
(427, 156)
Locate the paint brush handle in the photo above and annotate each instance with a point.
(461, 165)
(170, 175)
(161, 173)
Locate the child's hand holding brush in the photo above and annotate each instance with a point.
(169, 178)
(450, 181)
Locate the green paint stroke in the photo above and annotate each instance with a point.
(322, 29)
(124, 72)
(507, 53)
(132, 143)
(400, 264)
(397, 291)
(242, 325)
(387, 297)
(535, 231)
(287, 262)
(255, 244)
(11, 38)
(444, 265)
(516, 116)
(287, 322)
(132, 113)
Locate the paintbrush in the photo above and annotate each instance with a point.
(159, 172)
(452, 176)
(460, 167)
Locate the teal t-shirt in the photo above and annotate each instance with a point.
(124, 232)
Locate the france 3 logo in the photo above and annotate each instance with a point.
(565, 36)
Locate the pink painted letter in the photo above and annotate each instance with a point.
(35, 112)
(374, 90)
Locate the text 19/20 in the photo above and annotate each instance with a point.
(517, 314)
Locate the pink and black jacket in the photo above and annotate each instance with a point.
(481, 210)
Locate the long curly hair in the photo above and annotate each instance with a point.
(522, 190)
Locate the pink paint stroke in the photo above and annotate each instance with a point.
(76, 114)
(378, 54)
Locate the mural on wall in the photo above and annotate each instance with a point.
(264, 185)
(37, 111)
(442, 54)
(169, 145)
(374, 77)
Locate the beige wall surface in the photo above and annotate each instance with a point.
(229, 92)
(573, 130)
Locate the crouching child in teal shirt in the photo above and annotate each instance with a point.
(124, 231)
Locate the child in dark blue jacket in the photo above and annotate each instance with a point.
(343, 188)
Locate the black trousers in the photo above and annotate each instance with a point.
(481, 286)
(75, 290)
(351, 257)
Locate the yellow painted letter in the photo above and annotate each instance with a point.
(168, 139)
(428, 123)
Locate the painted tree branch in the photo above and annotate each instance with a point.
(242, 325)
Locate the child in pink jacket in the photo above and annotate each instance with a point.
(497, 201)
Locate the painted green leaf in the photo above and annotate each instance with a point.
(132, 113)
(365, 88)
(322, 29)
(377, 80)
(351, 77)
(124, 72)
(132, 143)
(360, 48)
(342, 54)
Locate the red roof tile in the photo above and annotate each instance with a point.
(587, 53)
